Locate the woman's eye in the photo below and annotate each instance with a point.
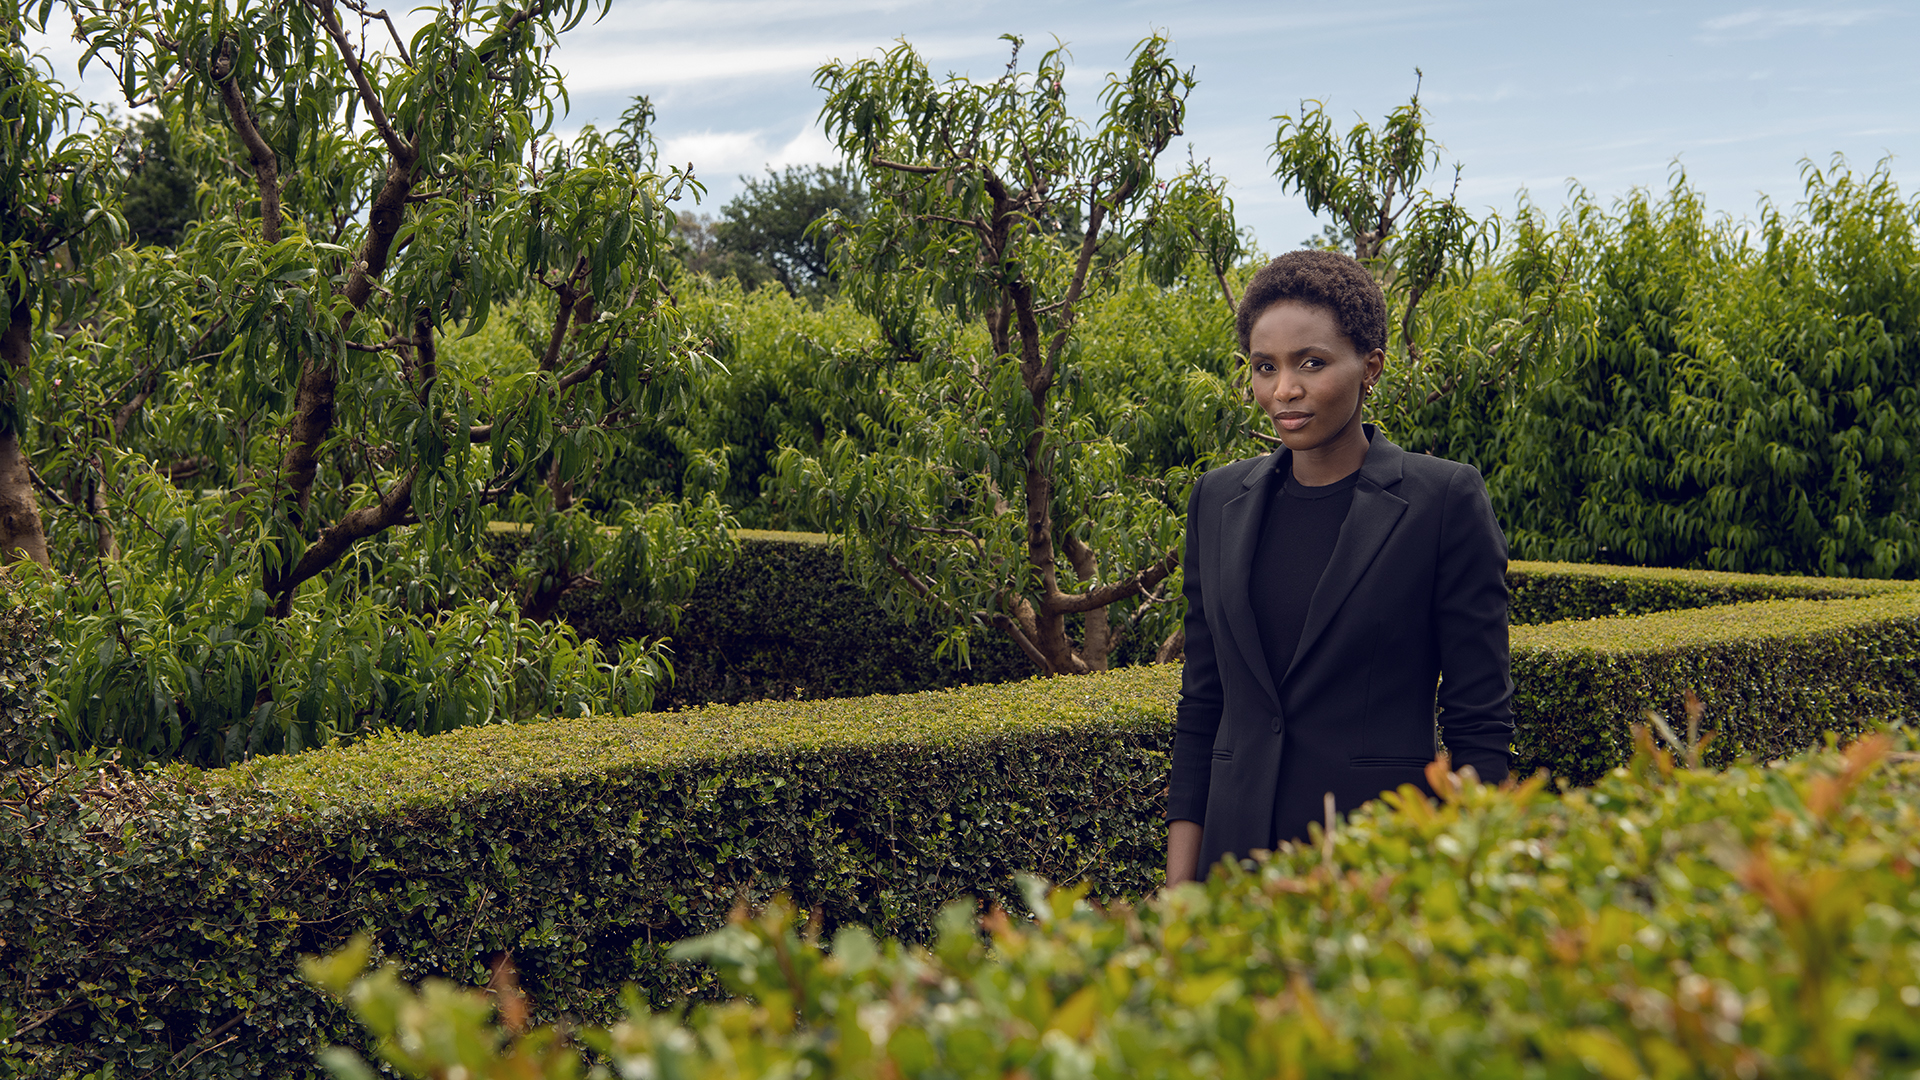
(1313, 363)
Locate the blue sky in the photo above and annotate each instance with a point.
(1526, 96)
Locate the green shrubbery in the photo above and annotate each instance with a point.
(1655, 386)
(783, 618)
(1549, 592)
(159, 914)
(1667, 923)
(161, 911)
(27, 648)
(1772, 676)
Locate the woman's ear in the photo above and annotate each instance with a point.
(1376, 363)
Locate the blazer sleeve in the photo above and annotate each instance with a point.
(1197, 718)
(1470, 615)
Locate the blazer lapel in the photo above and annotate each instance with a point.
(1375, 511)
(1240, 522)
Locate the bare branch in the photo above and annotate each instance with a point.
(386, 346)
(565, 290)
(45, 488)
(334, 540)
(399, 42)
(582, 373)
(1013, 630)
(913, 581)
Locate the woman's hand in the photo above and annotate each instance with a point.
(1183, 851)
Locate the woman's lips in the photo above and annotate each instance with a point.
(1293, 421)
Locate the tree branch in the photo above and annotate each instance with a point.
(1105, 595)
(564, 290)
(266, 169)
(334, 540)
(1012, 629)
(899, 166)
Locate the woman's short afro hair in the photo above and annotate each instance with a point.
(1325, 279)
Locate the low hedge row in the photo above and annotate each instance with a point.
(153, 920)
(1773, 677)
(785, 620)
(1666, 924)
(1545, 592)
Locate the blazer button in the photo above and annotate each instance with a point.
(1279, 722)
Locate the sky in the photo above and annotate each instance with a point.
(1528, 98)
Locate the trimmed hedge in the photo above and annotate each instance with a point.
(158, 916)
(1545, 592)
(1667, 924)
(785, 620)
(1773, 677)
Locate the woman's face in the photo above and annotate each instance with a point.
(1308, 376)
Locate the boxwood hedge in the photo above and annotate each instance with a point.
(153, 920)
(1772, 676)
(1545, 592)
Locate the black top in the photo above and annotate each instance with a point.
(1298, 537)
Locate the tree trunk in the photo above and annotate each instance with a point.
(21, 533)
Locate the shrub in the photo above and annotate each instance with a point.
(27, 649)
(1773, 676)
(1667, 923)
(1548, 592)
(1650, 384)
(160, 913)
(783, 619)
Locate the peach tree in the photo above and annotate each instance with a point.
(989, 492)
(406, 311)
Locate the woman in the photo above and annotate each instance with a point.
(1330, 586)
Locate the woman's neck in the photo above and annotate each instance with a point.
(1334, 461)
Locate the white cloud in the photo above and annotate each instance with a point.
(604, 63)
(718, 156)
(1756, 23)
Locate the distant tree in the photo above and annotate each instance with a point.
(157, 196)
(695, 237)
(772, 222)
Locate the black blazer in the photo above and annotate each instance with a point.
(1415, 594)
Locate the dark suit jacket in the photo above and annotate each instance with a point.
(1415, 594)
